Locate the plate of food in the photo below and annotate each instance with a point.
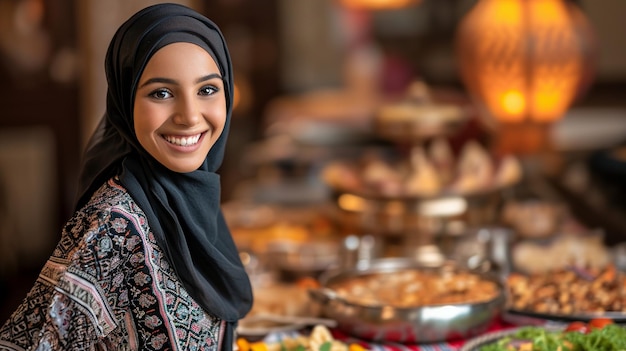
(568, 294)
(280, 307)
(597, 334)
(425, 172)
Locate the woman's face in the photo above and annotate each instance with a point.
(180, 106)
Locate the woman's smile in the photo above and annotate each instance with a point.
(185, 141)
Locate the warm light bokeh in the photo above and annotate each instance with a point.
(378, 4)
(513, 103)
(522, 59)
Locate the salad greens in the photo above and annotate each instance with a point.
(609, 338)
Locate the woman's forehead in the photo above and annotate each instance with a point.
(182, 58)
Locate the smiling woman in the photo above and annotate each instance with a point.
(147, 262)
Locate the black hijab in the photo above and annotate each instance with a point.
(183, 209)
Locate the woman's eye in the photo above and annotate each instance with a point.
(208, 90)
(161, 94)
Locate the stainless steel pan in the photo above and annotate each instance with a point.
(423, 324)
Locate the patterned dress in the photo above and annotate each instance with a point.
(108, 286)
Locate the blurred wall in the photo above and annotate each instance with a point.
(312, 44)
(607, 18)
(38, 124)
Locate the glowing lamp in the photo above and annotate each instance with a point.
(524, 60)
(377, 4)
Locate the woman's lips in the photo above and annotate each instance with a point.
(185, 141)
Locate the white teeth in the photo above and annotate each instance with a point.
(188, 141)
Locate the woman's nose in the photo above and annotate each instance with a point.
(188, 111)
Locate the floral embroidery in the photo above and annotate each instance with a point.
(142, 278)
(119, 225)
(158, 341)
(152, 322)
(146, 300)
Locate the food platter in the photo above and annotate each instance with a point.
(422, 173)
(598, 334)
(568, 294)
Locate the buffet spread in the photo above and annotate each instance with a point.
(424, 241)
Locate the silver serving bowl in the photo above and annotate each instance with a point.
(423, 324)
(397, 216)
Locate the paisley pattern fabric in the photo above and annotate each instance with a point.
(108, 286)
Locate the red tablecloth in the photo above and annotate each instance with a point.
(442, 346)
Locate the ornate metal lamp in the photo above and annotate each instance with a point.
(524, 62)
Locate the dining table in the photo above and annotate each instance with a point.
(498, 325)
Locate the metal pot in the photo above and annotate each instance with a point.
(399, 216)
(423, 324)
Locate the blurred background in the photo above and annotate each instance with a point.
(310, 74)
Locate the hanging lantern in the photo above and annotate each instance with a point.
(377, 4)
(524, 60)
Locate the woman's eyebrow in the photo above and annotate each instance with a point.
(158, 80)
(173, 81)
(208, 77)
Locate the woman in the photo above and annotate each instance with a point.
(147, 261)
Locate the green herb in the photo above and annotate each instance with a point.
(610, 338)
(325, 346)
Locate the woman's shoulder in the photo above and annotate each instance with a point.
(111, 194)
(111, 212)
(112, 197)
(110, 225)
